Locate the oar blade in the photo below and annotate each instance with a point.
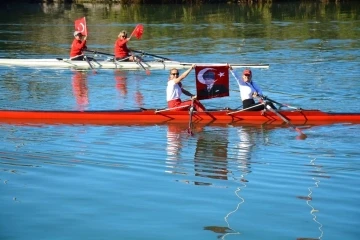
(301, 136)
(191, 110)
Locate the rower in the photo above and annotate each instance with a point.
(174, 90)
(122, 52)
(249, 90)
(78, 46)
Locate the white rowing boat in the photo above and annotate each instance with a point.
(108, 64)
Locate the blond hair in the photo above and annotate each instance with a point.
(174, 69)
(122, 33)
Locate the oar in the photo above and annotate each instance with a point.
(233, 65)
(67, 61)
(171, 109)
(280, 104)
(149, 54)
(138, 61)
(102, 53)
(190, 119)
(302, 135)
(146, 70)
(91, 66)
(245, 109)
(137, 51)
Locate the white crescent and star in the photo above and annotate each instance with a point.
(82, 28)
(200, 76)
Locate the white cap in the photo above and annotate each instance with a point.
(76, 33)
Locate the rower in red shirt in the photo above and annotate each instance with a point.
(122, 52)
(78, 46)
(174, 90)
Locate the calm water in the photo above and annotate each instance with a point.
(156, 181)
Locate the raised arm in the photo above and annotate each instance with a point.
(235, 75)
(184, 74)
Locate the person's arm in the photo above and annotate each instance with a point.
(257, 89)
(83, 44)
(184, 74)
(235, 75)
(186, 92)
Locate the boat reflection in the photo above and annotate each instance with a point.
(211, 156)
(80, 89)
(238, 170)
(215, 160)
(122, 87)
(120, 82)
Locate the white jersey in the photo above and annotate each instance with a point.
(173, 91)
(246, 88)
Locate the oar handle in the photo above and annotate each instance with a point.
(95, 52)
(190, 118)
(149, 54)
(280, 104)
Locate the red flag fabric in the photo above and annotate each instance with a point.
(138, 31)
(80, 25)
(212, 81)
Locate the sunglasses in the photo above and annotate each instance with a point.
(175, 74)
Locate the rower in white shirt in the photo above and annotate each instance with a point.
(174, 90)
(249, 90)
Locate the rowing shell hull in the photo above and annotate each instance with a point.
(83, 65)
(153, 116)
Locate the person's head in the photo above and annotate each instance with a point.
(77, 34)
(174, 73)
(207, 76)
(122, 34)
(247, 74)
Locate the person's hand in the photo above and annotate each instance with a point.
(255, 94)
(193, 97)
(229, 66)
(85, 38)
(193, 66)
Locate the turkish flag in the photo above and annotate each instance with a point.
(80, 25)
(138, 31)
(212, 81)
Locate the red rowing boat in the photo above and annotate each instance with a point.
(153, 116)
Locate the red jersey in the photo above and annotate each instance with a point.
(120, 48)
(77, 47)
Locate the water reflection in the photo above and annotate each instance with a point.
(215, 159)
(139, 98)
(121, 86)
(173, 148)
(316, 175)
(247, 138)
(80, 89)
(120, 82)
(210, 159)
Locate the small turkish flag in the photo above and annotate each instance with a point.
(138, 31)
(80, 26)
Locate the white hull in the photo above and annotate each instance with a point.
(66, 63)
